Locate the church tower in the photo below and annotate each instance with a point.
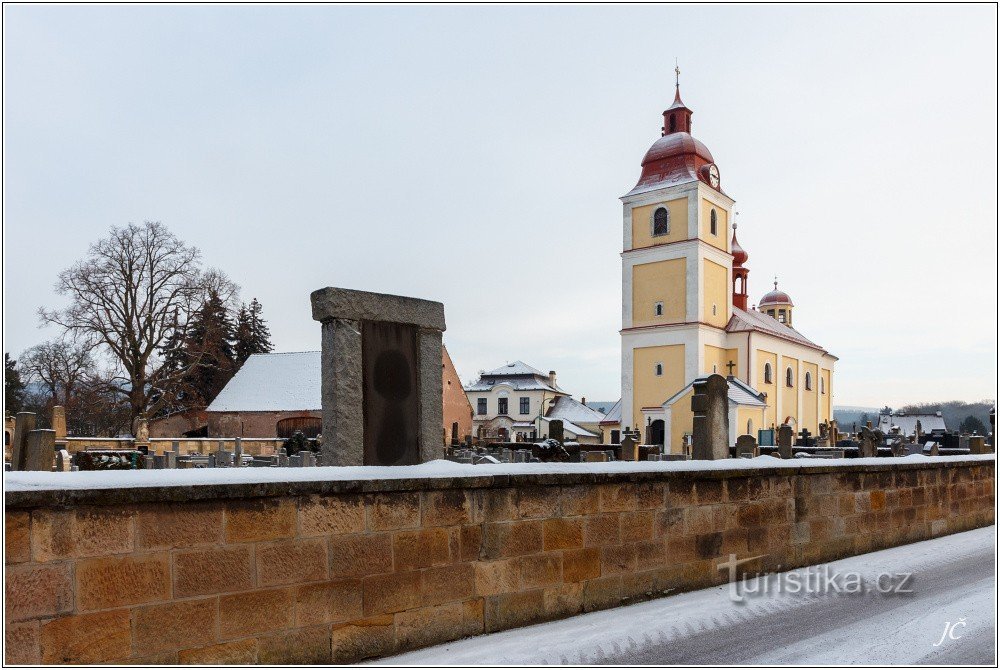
(677, 288)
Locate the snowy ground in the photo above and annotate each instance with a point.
(35, 481)
(953, 582)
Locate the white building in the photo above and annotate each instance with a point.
(510, 402)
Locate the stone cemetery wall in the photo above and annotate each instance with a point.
(337, 571)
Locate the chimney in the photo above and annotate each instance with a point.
(583, 400)
(552, 378)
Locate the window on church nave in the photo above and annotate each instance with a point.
(661, 221)
(767, 373)
(658, 309)
(822, 385)
(789, 377)
(715, 223)
(809, 381)
(658, 369)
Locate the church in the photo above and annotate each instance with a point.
(685, 288)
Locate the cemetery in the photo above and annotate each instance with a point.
(374, 538)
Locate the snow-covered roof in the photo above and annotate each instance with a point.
(740, 393)
(515, 368)
(743, 320)
(273, 383)
(519, 375)
(571, 428)
(567, 409)
(614, 414)
(908, 423)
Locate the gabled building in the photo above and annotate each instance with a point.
(580, 423)
(509, 402)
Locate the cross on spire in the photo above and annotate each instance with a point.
(677, 74)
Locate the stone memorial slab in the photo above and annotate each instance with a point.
(381, 377)
(24, 423)
(40, 452)
(746, 447)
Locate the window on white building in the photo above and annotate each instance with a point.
(481, 406)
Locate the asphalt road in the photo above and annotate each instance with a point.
(946, 615)
(838, 624)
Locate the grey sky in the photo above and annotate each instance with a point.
(475, 155)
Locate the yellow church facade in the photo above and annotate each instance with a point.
(684, 306)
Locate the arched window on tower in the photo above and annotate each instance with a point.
(714, 223)
(767, 373)
(673, 122)
(789, 377)
(809, 381)
(658, 369)
(661, 221)
(658, 309)
(822, 385)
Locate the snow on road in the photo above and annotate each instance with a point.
(953, 582)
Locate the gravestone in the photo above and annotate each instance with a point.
(746, 447)
(595, 457)
(977, 445)
(282, 458)
(930, 449)
(870, 441)
(556, 430)
(381, 377)
(63, 461)
(710, 404)
(785, 439)
(823, 441)
(40, 451)
(238, 453)
(24, 423)
(628, 446)
(59, 424)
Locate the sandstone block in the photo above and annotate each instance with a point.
(360, 555)
(493, 577)
(255, 612)
(534, 502)
(470, 542)
(178, 525)
(17, 536)
(215, 570)
(331, 515)
(21, 644)
(579, 500)
(363, 638)
(517, 538)
(292, 562)
(80, 533)
(87, 638)
(107, 583)
(448, 583)
(617, 559)
(391, 511)
(303, 646)
(33, 591)
(562, 533)
(580, 565)
(541, 570)
(241, 652)
(421, 548)
(329, 602)
(636, 526)
(601, 530)
(260, 519)
(602, 593)
(430, 625)
(386, 594)
(450, 507)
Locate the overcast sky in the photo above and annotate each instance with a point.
(475, 155)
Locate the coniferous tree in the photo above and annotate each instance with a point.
(13, 386)
(252, 334)
(209, 345)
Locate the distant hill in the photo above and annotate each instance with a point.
(602, 406)
(846, 416)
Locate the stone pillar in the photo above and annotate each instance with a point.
(59, 424)
(24, 423)
(710, 404)
(381, 377)
(41, 451)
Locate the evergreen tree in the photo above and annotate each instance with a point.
(252, 334)
(176, 395)
(972, 424)
(13, 387)
(209, 346)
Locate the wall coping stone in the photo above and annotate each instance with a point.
(32, 490)
(342, 303)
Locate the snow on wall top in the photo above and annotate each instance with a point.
(124, 479)
(273, 383)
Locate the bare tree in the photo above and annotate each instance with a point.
(60, 365)
(134, 288)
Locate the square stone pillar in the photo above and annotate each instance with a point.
(710, 404)
(381, 377)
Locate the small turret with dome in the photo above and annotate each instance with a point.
(777, 304)
(740, 273)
